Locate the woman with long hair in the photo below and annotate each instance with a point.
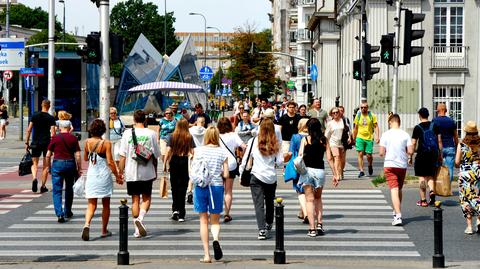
(264, 155)
(179, 148)
(468, 159)
(230, 141)
(209, 199)
(3, 121)
(313, 148)
(98, 154)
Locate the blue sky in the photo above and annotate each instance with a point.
(223, 14)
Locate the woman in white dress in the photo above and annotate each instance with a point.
(98, 153)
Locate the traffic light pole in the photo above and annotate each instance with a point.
(104, 102)
(396, 63)
(363, 96)
(51, 55)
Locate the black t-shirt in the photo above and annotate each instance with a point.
(4, 114)
(289, 126)
(42, 122)
(313, 154)
(194, 117)
(418, 133)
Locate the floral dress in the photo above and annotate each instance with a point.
(468, 181)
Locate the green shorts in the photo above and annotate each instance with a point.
(364, 145)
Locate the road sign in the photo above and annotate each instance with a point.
(257, 83)
(31, 72)
(290, 84)
(314, 72)
(12, 55)
(206, 73)
(257, 90)
(7, 75)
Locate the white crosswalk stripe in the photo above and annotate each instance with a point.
(357, 224)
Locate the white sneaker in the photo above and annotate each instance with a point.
(136, 235)
(141, 227)
(397, 221)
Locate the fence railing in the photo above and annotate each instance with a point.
(451, 57)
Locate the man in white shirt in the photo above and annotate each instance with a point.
(259, 111)
(397, 148)
(139, 175)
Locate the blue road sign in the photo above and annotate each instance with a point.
(314, 72)
(218, 93)
(12, 53)
(206, 73)
(31, 72)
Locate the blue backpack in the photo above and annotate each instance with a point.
(430, 143)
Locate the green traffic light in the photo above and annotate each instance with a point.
(386, 55)
(58, 72)
(356, 74)
(92, 54)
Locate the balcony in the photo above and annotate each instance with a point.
(449, 58)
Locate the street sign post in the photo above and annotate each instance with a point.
(314, 72)
(257, 90)
(7, 74)
(290, 84)
(206, 73)
(12, 55)
(32, 72)
(257, 83)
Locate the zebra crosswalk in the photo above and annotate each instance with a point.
(357, 224)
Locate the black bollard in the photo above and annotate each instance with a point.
(438, 257)
(279, 253)
(123, 257)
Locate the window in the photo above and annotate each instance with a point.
(448, 23)
(452, 96)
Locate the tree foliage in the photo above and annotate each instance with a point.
(42, 37)
(247, 67)
(131, 18)
(28, 17)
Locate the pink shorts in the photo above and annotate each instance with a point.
(395, 176)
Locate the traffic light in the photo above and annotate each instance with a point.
(390, 2)
(386, 52)
(91, 53)
(96, 2)
(369, 60)
(357, 69)
(116, 48)
(409, 19)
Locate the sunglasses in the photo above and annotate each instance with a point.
(240, 108)
(113, 113)
(168, 113)
(364, 107)
(335, 112)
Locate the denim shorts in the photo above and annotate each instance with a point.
(204, 202)
(314, 177)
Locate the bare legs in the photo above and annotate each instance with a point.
(314, 205)
(34, 169)
(424, 181)
(136, 206)
(215, 229)
(228, 195)
(92, 206)
(396, 199)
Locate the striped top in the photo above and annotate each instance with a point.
(215, 157)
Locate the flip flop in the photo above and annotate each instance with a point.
(86, 233)
(227, 218)
(106, 234)
(205, 261)
(217, 250)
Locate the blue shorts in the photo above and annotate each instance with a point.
(314, 177)
(204, 202)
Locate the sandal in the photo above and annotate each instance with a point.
(107, 234)
(312, 233)
(217, 250)
(86, 233)
(422, 203)
(227, 218)
(320, 230)
(205, 261)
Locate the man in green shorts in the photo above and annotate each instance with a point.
(365, 128)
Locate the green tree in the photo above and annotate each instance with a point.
(28, 17)
(246, 66)
(42, 37)
(131, 18)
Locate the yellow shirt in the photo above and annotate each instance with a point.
(365, 125)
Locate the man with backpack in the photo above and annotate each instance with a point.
(365, 129)
(429, 155)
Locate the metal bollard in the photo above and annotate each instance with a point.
(279, 253)
(123, 257)
(438, 257)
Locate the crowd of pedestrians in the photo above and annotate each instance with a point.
(259, 140)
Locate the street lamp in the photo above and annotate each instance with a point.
(63, 2)
(219, 56)
(205, 36)
(165, 30)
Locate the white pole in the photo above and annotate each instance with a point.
(51, 55)
(104, 102)
(7, 20)
(396, 56)
(20, 105)
(306, 85)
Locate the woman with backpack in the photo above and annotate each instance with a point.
(208, 197)
(312, 149)
(429, 155)
(230, 141)
(98, 184)
(265, 154)
(180, 147)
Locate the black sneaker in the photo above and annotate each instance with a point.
(320, 230)
(175, 215)
(61, 219)
(190, 198)
(69, 215)
(370, 170)
(269, 227)
(361, 174)
(432, 199)
(43, 189)
(35, 185)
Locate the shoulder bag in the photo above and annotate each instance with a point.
(234, 156)
(141, 154)
(247, 172)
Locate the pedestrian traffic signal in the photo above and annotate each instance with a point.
(369, 60)
(116, 48)
(91, 53)
(390, 2)
(386, 52)
(357, 69)
(409, 19)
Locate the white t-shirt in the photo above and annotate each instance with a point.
(263, 166)
(232, 141)
(395, 142)
(137, 171)
(215, 157)
(334, 133)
